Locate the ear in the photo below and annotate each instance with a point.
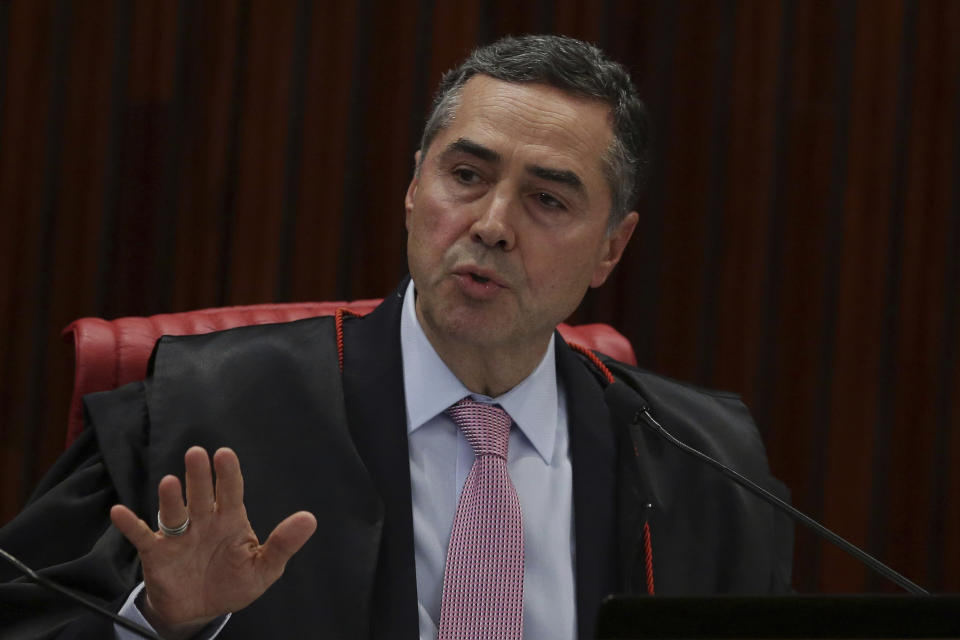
(412, 189)
(613, 246)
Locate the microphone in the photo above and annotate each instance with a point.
(644, 416)
(47, 583)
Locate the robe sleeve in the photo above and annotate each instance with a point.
(64, 532)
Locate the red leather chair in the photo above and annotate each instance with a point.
(112, 353)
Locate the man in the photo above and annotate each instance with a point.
(521, 199)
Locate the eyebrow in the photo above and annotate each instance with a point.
(561, 176)
(465, 145)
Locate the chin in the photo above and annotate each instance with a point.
(466, 326)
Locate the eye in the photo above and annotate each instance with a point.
(549, 201)
(466, 176)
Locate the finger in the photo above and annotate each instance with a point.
(133, 528)
(199, 481)
(285, 540)
(229, 479)
(170, 497)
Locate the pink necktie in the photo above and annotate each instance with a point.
(483, 579)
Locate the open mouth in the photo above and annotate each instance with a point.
(479, 279)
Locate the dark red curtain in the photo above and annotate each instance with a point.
(799, 243)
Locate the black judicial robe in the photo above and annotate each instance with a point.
(309, 437)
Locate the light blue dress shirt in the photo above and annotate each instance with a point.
(440, 460)
(539, 466)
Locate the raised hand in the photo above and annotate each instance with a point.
(217, 565)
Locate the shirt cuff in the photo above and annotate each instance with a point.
(130, 611)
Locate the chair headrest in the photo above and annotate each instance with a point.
(111, 353)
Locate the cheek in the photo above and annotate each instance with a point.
(560, 263)
(559, 275)
(432, 235)
(432, 230)
(439, 222)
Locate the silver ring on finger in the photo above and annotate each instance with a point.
(172, 532)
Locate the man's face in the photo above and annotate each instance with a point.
(507, 216)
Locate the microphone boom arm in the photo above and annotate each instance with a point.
(84, 602)
(769, 497)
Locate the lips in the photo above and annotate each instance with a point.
(480, 276)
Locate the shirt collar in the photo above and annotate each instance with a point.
(430, 387)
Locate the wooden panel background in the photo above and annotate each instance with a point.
(800, 240)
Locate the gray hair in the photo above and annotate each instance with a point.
(573, 66)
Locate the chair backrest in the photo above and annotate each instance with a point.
(112, 353)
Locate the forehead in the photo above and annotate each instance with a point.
(532, 120)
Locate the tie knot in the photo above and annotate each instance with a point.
(486, 426)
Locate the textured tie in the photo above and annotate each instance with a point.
(483, 579)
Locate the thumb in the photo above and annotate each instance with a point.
(285, 540)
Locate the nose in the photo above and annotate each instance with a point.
(493, 227)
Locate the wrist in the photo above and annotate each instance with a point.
(163, 627)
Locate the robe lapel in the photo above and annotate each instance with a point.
(593, 453)
(376, 411)
(641, 489)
